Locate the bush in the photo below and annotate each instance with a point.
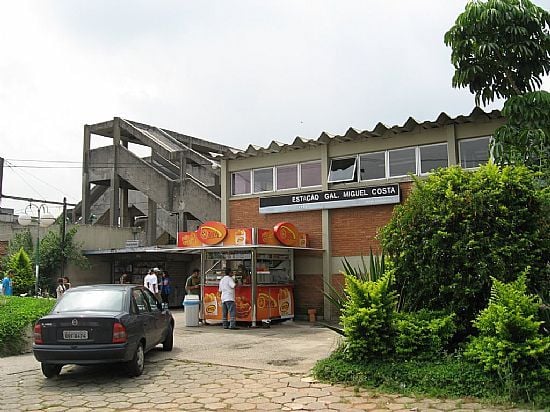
(509, 343)
(23, 278)
(423, 334)
(16, 313)
(457, 228)
(450, 376)
(367, 317)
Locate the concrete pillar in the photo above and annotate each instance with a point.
(452, 148)
(124, 212)
(151, 223)
(325, 230)
(85, 204)
(115, 179)
(225, 192)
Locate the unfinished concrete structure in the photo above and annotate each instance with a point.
(175, 188)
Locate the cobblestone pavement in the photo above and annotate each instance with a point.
(177, 385)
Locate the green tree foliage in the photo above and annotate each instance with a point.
(368, 317)
(525, 138)
(457, 228)
(53, 253)
(509, 341)
(500, 48)
(20, 240)
(23, 276)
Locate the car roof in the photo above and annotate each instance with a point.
(108, 286)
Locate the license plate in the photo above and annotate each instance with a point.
(75, 334)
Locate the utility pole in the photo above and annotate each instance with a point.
(1, 175)
(63, 235)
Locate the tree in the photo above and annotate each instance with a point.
(500, 48)
(23, 277)
(458, 228)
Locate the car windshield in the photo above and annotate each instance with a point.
(91, 300)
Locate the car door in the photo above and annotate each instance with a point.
(157, 314)
(146, 317)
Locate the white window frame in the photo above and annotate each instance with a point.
(232, 187)
(252, 182)
(415, 150)
(353, 178)
(300, 185)
(385, 152)
(276, 177)
(471, 139)
(419, 157)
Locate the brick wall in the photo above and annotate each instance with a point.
(245, 213)
(353, 230)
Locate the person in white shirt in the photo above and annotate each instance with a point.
(150, 282)
(227, 289)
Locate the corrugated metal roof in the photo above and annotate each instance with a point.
(355, 135)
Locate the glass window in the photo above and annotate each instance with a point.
(432, 157)
(91, 300)
(141, 303)
(263, 180)
(402, 161)
(310, 174)
(372, 166)
(153, 302)
(287, 177)
(240, 182)
(473, 152)
(342, 170)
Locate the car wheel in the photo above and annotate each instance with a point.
(168, 343)
(51, 371)
(136, 365)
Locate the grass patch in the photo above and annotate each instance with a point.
(16, 313)
(447, 377)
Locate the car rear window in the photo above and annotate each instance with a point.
(91, 300)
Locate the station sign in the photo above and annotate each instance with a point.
(332, 199)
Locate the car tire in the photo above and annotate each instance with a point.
(168, 343)
(51, 371)
(136, 365)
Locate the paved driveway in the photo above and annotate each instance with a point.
(209, 369)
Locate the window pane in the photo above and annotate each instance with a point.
(310, 174)
(240, 182)
(287, 177)
(263, 180)
(342, 170)
(473, 152)
(373, 166)
(402, 161)
(91, 300)
(432, 157)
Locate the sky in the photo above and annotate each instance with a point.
(233, 72)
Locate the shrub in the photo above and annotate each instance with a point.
(23, 278)
(423, 334)
(367, 317)
(457, 228)
(509, 342)
(16, 313)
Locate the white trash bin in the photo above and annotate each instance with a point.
(191, 303)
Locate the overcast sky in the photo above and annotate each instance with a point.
(234, 72)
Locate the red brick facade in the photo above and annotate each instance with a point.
(352, 233)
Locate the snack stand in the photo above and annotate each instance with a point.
(263, 267)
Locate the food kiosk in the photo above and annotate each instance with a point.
(262, 263)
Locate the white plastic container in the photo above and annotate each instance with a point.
(191, 303)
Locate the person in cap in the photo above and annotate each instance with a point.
(227, 289)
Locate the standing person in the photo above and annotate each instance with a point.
(66, 282)
(61, 288)
(165, 289)
(193, 287)
(124, 279)
(7, 284)
(150, 282)
(227, 289)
